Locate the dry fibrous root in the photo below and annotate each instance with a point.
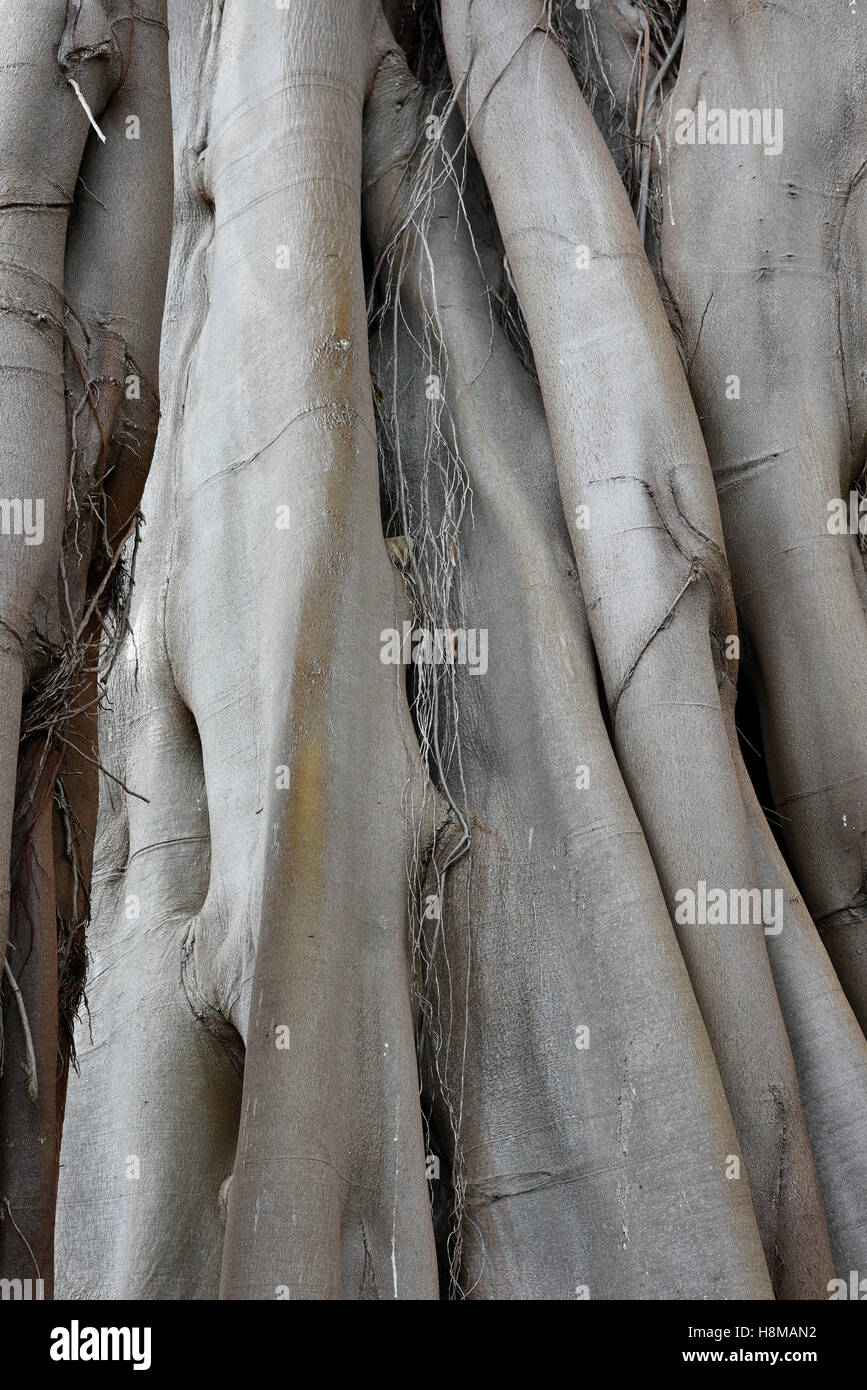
(86, 151)
(427, 496)
(621, 54)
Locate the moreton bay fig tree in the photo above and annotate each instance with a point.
(433, 649)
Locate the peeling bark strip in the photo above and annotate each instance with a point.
(389, 995)
(81, 287)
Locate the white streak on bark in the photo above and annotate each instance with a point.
(80, 94)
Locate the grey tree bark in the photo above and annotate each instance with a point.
(390, 991)
(85, 221)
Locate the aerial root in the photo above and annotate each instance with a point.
(29, 1063)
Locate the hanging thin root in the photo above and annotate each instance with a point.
(30, 1061)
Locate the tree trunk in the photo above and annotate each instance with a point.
(85, 217)
(488, 446)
